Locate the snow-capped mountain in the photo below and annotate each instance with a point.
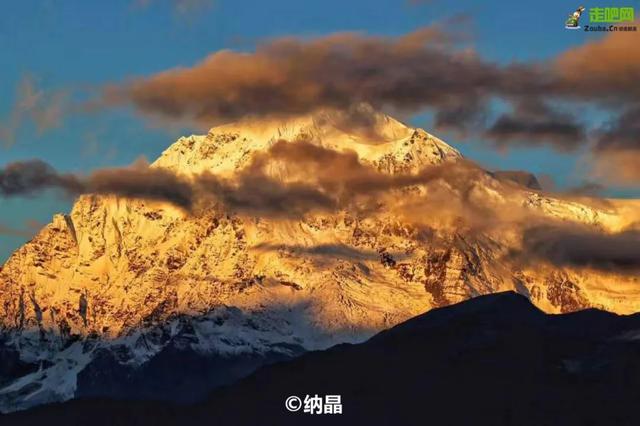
(112, 298)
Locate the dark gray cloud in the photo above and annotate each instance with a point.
(623, 133)
(534, 123)
(465, 118)
(253, 192)
(139, 181)
(143, 182)
(258, 194)
(582, 246)
(616, 154)
(344, 176)
(29, 177)
(318, 179)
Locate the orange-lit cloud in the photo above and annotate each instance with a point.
(605, 69)
(292, 76)
(424, 70)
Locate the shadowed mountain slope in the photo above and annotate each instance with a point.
(492, 360)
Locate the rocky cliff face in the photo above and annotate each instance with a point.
(123, 282)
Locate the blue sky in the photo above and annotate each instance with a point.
(89, 43)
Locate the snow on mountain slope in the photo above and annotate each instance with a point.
(133, 278)
(389, 144)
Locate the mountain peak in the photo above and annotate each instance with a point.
(377, 138)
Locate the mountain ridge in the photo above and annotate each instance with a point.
(495, 360)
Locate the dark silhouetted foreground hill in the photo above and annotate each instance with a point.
(492, 360)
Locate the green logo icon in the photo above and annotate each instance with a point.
(573, 23)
